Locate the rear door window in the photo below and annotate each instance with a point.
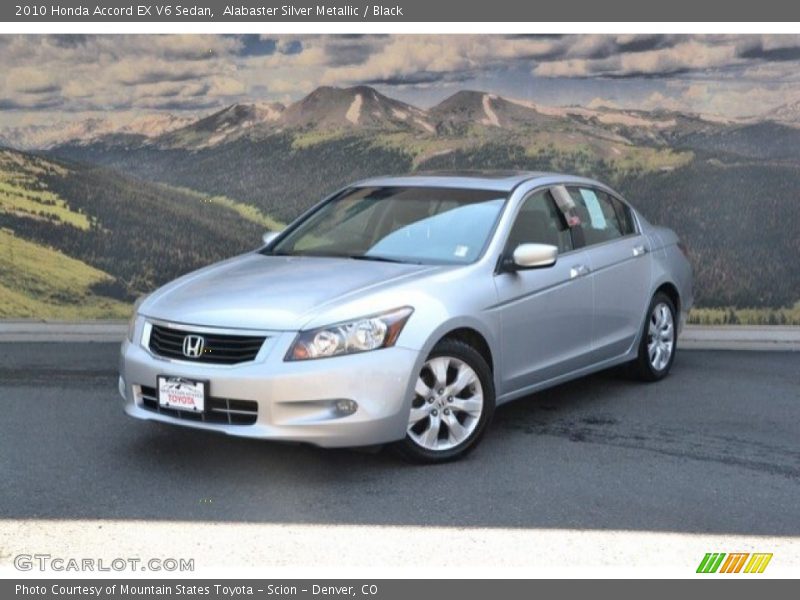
(598, 218)
(624, 215)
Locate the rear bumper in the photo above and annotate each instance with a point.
(295, 400)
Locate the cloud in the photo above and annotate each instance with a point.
(76, 90)
(642, 43)
(423, 78)
(740, 99)
(688, 55)
(290, 87)
(425, 58)
(225, 86)
(30, 80)
(171, 89)
(184, 104)
(289, 46)
(598, 102)
(770, 47)
(181, 47)
(771, 71)
(69, 40)
(75, 73)
(84, 73)
(659, 101)
(131, 72)
(732, 99)
(29, 103)
(444, 57)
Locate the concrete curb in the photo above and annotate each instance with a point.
(62, 331)
(740, 337)
(694, 337)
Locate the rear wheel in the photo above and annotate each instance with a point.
(658, 340)
(453, 403)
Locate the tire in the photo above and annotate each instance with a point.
(448, 418)
(659, 341)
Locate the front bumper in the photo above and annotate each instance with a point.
(294, 398)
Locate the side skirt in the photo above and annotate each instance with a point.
(537, 387)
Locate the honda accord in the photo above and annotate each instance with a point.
(404, 310)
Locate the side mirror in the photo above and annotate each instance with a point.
(269, 236)
(532, 256)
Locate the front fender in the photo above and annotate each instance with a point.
(486, 328)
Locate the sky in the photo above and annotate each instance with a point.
(46, 79)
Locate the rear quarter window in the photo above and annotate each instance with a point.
(624, 215)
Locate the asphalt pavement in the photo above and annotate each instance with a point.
(713, 449)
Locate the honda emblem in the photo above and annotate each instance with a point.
(193, 346)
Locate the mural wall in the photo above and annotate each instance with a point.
(128, 160)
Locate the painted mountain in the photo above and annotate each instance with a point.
(729, 188)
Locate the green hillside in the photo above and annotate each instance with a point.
(284, 173)
(40, 282)
(24, 193)
(269, 173)
(739, 223)
(84, 241)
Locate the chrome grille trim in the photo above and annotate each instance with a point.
(220, 348)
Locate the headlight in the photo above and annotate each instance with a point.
(360, 335)
(134, 314)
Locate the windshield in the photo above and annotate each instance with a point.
(403, 224)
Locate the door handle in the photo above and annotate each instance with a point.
(639, 250)
(578, 271)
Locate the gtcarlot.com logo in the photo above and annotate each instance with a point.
(47, 562)
(734, 562)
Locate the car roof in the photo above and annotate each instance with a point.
(503, 181)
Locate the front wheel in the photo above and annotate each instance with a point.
(452, 406)
(658, 342)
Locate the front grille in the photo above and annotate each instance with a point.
(222, 349)
(218, 410)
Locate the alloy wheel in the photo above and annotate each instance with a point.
(447, 406)
(660, 336)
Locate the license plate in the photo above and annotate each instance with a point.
(181, 393)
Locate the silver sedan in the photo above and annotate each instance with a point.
(403, 310)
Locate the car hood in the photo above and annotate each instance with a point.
(258, 291)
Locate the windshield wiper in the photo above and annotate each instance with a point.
(371, 257)
(376, 258)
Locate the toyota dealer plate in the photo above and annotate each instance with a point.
(181, 393)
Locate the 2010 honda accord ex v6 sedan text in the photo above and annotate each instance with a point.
(404, 309)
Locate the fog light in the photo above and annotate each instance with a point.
(121, 386)
(346, 407)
